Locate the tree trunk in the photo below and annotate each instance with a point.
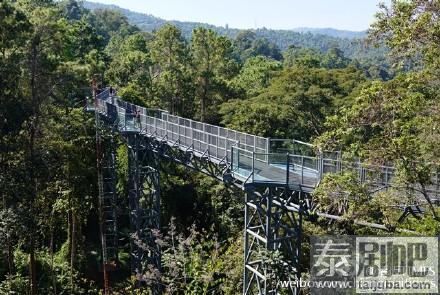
(71, 246)
(73, 241)
(10, 253)
(203, 99)
(52, 273)
(32, 269)
(32, 137)
(11, 269)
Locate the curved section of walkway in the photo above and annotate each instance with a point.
(249, 156)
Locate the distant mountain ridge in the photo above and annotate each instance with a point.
(333, 32)
(321, 39)
(150, 22)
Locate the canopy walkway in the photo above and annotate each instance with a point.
(277, 176)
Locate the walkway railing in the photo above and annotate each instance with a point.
(252, 158)
(202, 137)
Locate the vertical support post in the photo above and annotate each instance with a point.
(253, 166)
(232, 158)
(386, 177)
(269, 239)
(218, 136)
(320, 165)
(359, 168)
(178, 130)
(205, 137)
(226, 147)
(238, 159)
(246, 281)
(192, 133)
(267, 149)
(302, 170)
(287, 168)
(436, 180)
(339, 162)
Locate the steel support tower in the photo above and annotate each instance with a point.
(272, 239)
(144, 206)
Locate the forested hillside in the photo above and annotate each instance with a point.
(333, 32)
(351, 43)
(270, 83)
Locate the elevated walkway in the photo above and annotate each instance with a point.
(277, 176)
(252, 159)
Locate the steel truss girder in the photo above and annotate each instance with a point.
(144, 205)
(200, 162)
(272, 225)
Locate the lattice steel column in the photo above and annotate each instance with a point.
(144, 204)
(272, 240)
(106, 164)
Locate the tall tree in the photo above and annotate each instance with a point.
(170, 53)
(14, 29)
(131, 69)
(255, 75)
(410, 29)
(213, 67)
(109, 23)
(335, 59)
(301, 57)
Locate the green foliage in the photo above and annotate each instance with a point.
(72, 10)
(426, 225)
(14, 285)
(14, 29)
(335, 59)
(248, 45)
(108, 23)
(231, 269)
(130, 69)
(392, 123)
(410, 30)
(388, 121)
(302, 57)
(213, 67)
(171, 56)
(294, 105)
(196, 263)
(344, 196)
(255, 75)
